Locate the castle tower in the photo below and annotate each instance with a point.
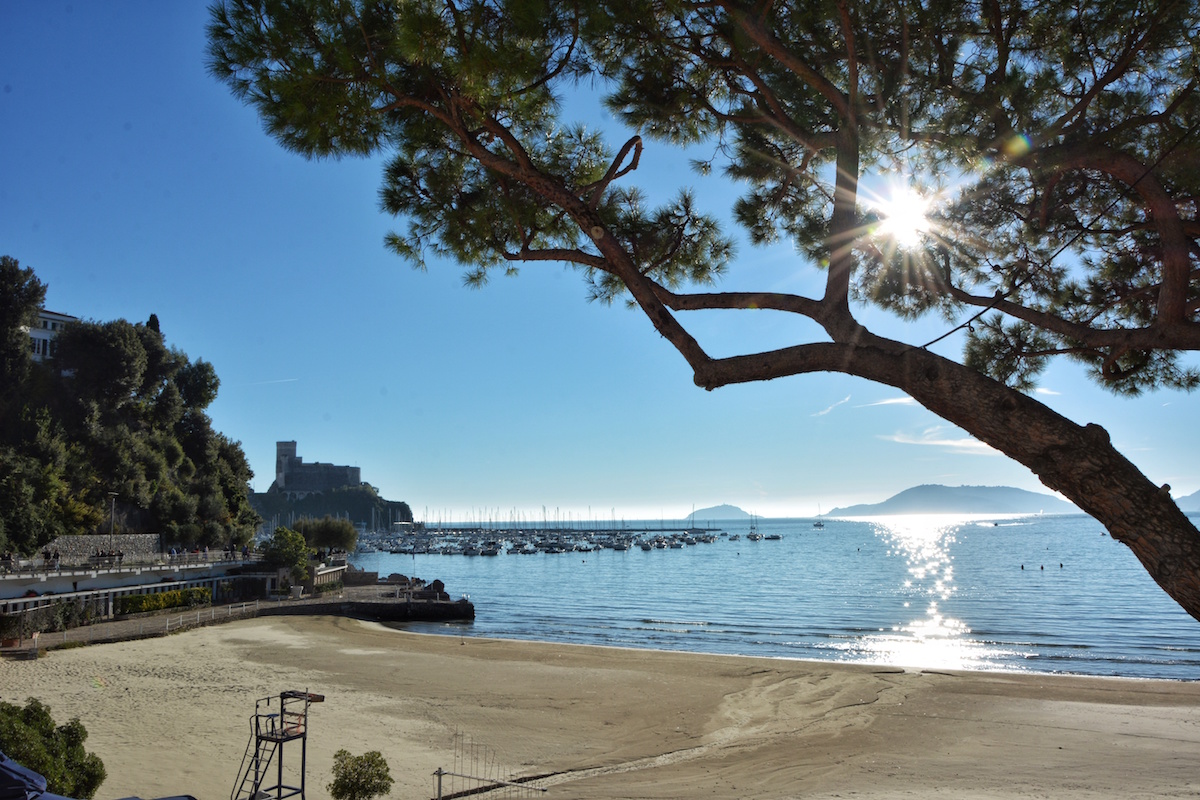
(285, 456)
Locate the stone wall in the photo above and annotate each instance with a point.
(357, 577)
(136, 547)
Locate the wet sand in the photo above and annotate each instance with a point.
(171, 716)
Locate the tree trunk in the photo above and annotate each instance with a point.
(1078, 461)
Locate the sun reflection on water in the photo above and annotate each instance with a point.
(934, 639)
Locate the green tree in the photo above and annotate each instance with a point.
(116, 410)
(29, 736)
(198, 383)
(21, 296)
(105, 361)
(286, 549)
(359, 777)
(328, 532)
(1061, 138)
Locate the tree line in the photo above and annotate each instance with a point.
(110, 433)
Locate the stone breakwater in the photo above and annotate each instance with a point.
(382, 610)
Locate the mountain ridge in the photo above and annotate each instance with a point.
(1189, 502)
(938, 499)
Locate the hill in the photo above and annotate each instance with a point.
(934, 499)
(721, 512)
(1189, 502)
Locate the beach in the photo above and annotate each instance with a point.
(171, 716)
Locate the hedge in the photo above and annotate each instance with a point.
(60, 616)
(139, 603)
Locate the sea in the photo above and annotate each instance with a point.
(1039, 594)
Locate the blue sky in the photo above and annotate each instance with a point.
(133, 183)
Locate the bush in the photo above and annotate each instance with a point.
(176, 598)
(60, 616)
(359, 777)
(29, 736)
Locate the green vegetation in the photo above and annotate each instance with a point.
(60, 615)
(177, 598)
(29, 736)
(287, 549)
(359, 777)
(361, 504)
(328, 533)
(115, 410)
(1057, 141)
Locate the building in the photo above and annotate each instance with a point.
(296, 480)
(44, 331)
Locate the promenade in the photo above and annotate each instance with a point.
(378, 602)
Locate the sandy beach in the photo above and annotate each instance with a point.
(171, 716)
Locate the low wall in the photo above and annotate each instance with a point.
(357, 577)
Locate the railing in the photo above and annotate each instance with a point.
(38, 565)
(149, 626)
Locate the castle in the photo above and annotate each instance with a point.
(296, 480)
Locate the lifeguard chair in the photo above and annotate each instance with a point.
(270, 728)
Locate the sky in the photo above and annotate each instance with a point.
(133, 183)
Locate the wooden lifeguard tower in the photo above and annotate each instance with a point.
(271, 728)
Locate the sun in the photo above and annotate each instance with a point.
(903, 216)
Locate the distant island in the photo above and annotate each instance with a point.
(721, 512)
(934, 499)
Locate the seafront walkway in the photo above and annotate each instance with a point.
(381, 601)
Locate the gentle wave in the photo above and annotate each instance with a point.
(970, 596)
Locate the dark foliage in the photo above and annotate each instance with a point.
(115, 410)
(29, 736)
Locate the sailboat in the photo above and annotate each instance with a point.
(754, 535)
(819, 524)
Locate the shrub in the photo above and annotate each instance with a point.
(29, 736)
(59, 616)
(359, 777)
(176, 598)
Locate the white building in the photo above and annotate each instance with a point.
(42, 334)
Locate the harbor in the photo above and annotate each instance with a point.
(494, 541)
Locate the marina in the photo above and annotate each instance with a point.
(492, 541)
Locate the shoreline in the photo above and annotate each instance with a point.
(814, 662)
(169, 716)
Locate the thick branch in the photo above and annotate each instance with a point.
(772, 301)
(595, 191)
(1184, 336)
(1173, 294)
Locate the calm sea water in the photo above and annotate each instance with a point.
(1038, 594)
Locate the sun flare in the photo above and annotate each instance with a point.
(903, 215)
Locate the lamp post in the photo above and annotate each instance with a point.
(112, 516)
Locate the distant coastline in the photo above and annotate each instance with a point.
(937, 499)
(934, 499)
